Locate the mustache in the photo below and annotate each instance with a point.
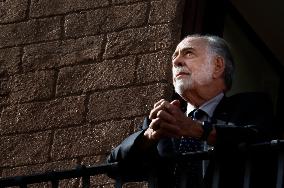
(178, 70)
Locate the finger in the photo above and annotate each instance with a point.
(165, 116)
(161, 106)
(155, 124)
(170, 128)
(159, 134)
(148, 133)
(174, 109)
(152, 135)
(176, 103)
(159, 102)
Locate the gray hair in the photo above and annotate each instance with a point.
(219, 46)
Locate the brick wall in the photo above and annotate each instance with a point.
(77, 77)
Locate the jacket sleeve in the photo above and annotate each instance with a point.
(133, 163)
(128, 150)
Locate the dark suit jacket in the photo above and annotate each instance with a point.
(241, 110)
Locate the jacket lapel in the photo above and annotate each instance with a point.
(222, 111)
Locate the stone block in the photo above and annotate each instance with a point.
(3, 100)
(31, 86)
(56, 54)
(140, 40)
(155, 67)
(53, 7)
(13, 10)
(105, 20)
(89, 140)
(24, 149)
(36, 30)
(165, 11)
(138, 122)
(143, 184)
(42, 115)
(124, 1)
(112, 73)
(126, 102)
(94, 160)
(3, 88)
(9, 61)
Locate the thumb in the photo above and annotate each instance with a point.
(176, 103)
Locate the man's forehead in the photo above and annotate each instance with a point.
(191, 42)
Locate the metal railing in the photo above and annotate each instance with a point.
(55, 176)
(83, 172)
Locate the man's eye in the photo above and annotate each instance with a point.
(188, 53)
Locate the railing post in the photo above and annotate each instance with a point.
(86, 182)
(152, 180)
(118, 182)
(23, 186)
(216, 175)
(280, 170)
(247, 173)
(54, 183)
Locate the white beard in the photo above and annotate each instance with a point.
(181, 85)
(202, 77)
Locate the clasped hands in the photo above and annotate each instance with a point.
(169, 121)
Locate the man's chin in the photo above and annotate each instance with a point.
(180, 89)
(181, 85)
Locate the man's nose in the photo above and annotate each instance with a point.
(178, 61)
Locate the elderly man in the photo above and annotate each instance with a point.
(202, 68)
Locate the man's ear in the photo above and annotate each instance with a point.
(219, 66)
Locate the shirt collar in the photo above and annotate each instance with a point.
(208, 106)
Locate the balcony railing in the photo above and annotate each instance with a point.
(85, 173)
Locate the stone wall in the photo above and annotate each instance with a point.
(77, 77)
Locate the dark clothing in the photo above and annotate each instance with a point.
(252, 111)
